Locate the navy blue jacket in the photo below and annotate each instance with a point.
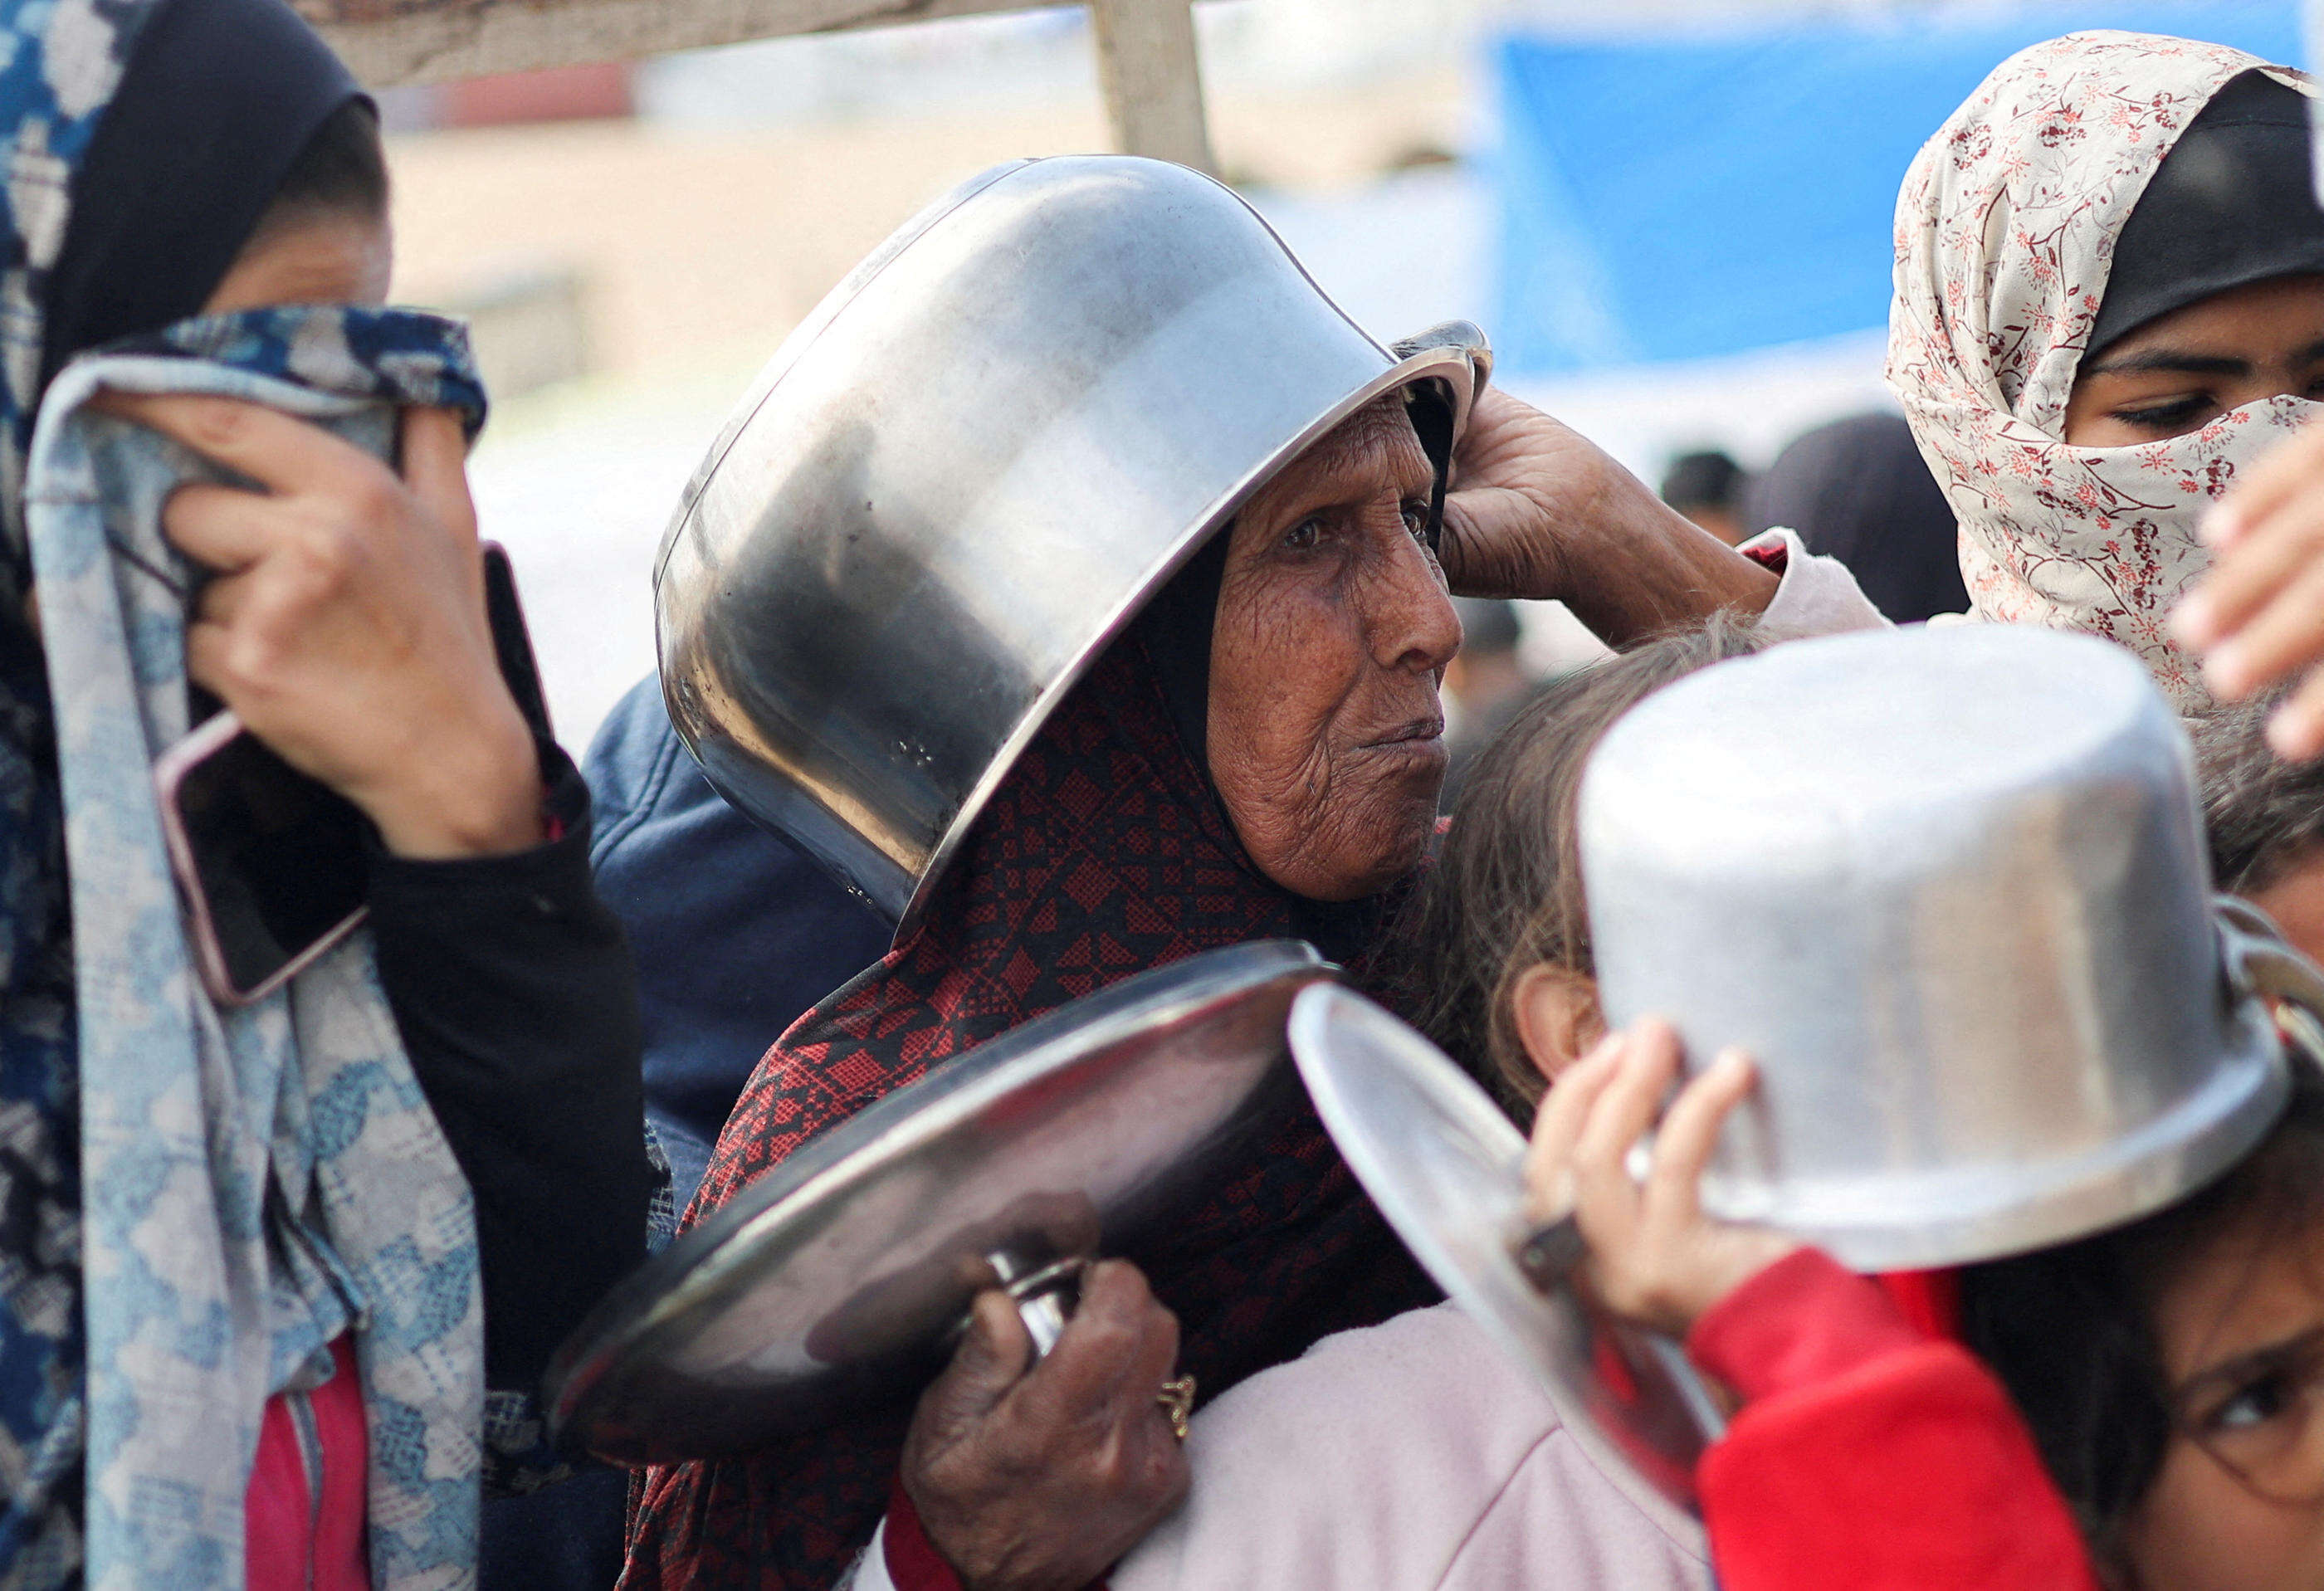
(735, 931)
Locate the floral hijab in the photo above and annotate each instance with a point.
(2006, 230)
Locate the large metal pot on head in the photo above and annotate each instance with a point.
(967, 469)
(1970, 939)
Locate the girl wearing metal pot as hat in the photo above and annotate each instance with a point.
(2131, 1251)
(1074, 585)
(2162, 1353)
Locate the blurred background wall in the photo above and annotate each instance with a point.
(1672, 216)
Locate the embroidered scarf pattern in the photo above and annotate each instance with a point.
(1103, 853)
(257, 1180)
(2005, 228)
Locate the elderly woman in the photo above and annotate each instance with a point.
(1256, 752)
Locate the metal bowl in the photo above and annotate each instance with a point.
(1949, 886)
(834, 1282)
(965, 471)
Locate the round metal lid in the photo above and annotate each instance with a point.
(835, 1281)
(1446, 1168)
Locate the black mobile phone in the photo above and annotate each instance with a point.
(270, 861)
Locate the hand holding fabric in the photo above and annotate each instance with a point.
(346, 624)
(1654, 1257)
(2258, 618)
(1040, 1479)
(1535, 509)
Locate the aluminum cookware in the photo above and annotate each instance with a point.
(836, 1280)
(1447, 1169)
(1949, 886)
(965, 471)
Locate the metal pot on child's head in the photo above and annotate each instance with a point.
(1969, 940)
(967, 469)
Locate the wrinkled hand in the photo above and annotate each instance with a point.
(2258, 618)
(1040, 1479)
(346, 623)
(1654, 1256)
(1534, 510)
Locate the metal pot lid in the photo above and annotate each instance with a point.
(1447, 1169)
(966, 471)
(834, 1282)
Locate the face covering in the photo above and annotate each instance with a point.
(2007, 230)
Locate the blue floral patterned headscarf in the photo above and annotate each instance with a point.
(192, 1202)
(62, 63)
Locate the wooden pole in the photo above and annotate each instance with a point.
(389, 42)
(1146, 55)
(1152, 78)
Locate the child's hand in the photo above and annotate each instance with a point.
(1655, 1258)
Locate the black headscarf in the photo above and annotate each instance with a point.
(2233, 203)
(1857, 489)
(212, 110)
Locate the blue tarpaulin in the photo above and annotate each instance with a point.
(1683, 197)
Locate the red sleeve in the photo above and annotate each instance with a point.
(913, 1561)
(1869, 1457)
(1800, 1321)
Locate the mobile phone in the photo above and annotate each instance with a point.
(269, 862)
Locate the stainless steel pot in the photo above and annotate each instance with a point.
(967, 469)
(1949, 886)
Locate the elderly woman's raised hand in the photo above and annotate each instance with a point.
(345, 623)
(1037, 1479)
(1537, 510)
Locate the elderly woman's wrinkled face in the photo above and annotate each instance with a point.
(1326, 736)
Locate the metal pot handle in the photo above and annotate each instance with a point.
(1463, 334)
(2260, 961)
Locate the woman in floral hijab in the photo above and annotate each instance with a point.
(2106, 306)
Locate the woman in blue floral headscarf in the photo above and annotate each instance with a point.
(260, 1264)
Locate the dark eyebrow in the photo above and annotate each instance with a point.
(2273, 1357)
(2159, 361)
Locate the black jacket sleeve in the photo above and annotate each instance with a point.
(513, 988)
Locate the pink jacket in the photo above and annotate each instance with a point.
(1408, 1457)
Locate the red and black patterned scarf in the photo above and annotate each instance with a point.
(1104, 853)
